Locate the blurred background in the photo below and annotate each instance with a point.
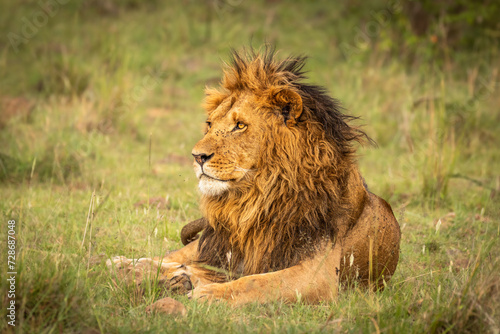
(100, 105)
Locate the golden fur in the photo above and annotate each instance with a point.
(297, 162)
(281, 192)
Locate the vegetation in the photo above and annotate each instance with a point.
(100, 107)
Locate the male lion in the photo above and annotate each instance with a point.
(286, 212)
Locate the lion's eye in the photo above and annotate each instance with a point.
(239, 126)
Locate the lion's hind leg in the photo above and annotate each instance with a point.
(311, 281)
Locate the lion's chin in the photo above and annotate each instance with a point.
(212, 187)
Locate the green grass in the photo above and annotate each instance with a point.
(115, 90)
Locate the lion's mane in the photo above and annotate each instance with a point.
(305, 179)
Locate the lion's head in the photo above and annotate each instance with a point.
(242, 119)
(274, 164)
(229, 154)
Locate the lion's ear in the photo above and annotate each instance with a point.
(290, 103)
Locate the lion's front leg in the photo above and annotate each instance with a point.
(311, 281)
(138, 271)
(173, 271)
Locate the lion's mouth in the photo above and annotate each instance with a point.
(213, 178)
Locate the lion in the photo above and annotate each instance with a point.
(286, 213)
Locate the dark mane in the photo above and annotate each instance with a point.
(290, 73)
(305, 184)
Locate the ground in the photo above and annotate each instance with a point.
(101, 105)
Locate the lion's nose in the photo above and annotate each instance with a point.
(202, 158)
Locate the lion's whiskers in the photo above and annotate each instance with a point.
(246, 170)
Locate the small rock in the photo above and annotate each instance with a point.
(167, 306)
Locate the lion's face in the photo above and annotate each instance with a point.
(229, 152)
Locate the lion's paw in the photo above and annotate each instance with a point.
(172, 275)
(129, 269)
(180, 284)
(178, 279)
(118, 262)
